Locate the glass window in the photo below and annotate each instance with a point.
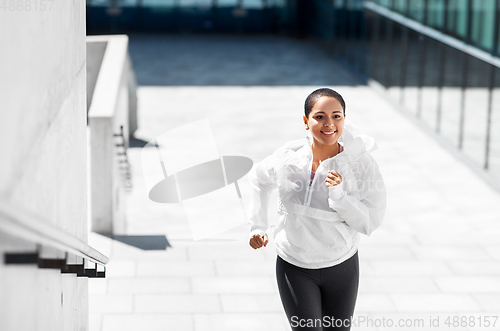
(379, 51)
(158, 3)
(498, 48)
(483, 24)
(107, 3)
(457, 18)
(386, 3)
(435, 13)
(227, 3)
(194, 3)
(253, 4)
(279, 3)
(270, 3)
(98, 2)
(417, 10)
(400, 6)
(355, 5)
(338, 4)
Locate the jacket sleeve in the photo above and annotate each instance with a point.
(365, 214)
(262, 179)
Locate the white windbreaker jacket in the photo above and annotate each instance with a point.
(319, 226)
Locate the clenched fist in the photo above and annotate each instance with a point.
(333, 178)
(257, 241)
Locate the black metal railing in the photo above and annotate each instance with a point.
(451, 85)
(428, 58)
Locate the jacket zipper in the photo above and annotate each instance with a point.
(307, 200)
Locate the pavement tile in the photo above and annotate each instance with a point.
(434, 302)
(493, 251)
(455, 252)
(390, 284)
(245, 267)
(475, 268)
(110, 304)
(456, 239)
(489, 302)
(149, 322)
(365, 268)
(231, 322)
(368, 303)
(95, 322)
(120, 269)
(225, 251)
(122, 251)
(98, 286)
(177, 303)
(149, 285)
(386, 252)
(406, 268)
(235, 285)
(385, 236)
(155, 269)
(251, 303)
(468, 284)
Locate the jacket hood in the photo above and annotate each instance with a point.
(354, 142)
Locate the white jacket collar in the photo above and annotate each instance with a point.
(354, 143)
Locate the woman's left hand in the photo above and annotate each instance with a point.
(333, 178)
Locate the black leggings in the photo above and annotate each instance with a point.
(319, 299)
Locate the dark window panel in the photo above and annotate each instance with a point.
(416, 10)
(435, 14)
(483, 21)
(457, 19)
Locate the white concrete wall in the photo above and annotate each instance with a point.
(43, 156)
(113, 105)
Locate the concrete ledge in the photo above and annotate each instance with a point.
(112, 118)
(109, 79)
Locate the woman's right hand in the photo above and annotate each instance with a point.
(257, 241)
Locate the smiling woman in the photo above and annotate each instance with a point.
(324, 116)
(325, 202)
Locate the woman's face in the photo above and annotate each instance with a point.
(326, 121)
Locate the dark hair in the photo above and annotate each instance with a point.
(322, 92)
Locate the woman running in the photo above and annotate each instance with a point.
(330, 190)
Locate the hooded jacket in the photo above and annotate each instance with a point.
(319, 226)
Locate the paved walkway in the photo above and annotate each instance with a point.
(436, 255)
